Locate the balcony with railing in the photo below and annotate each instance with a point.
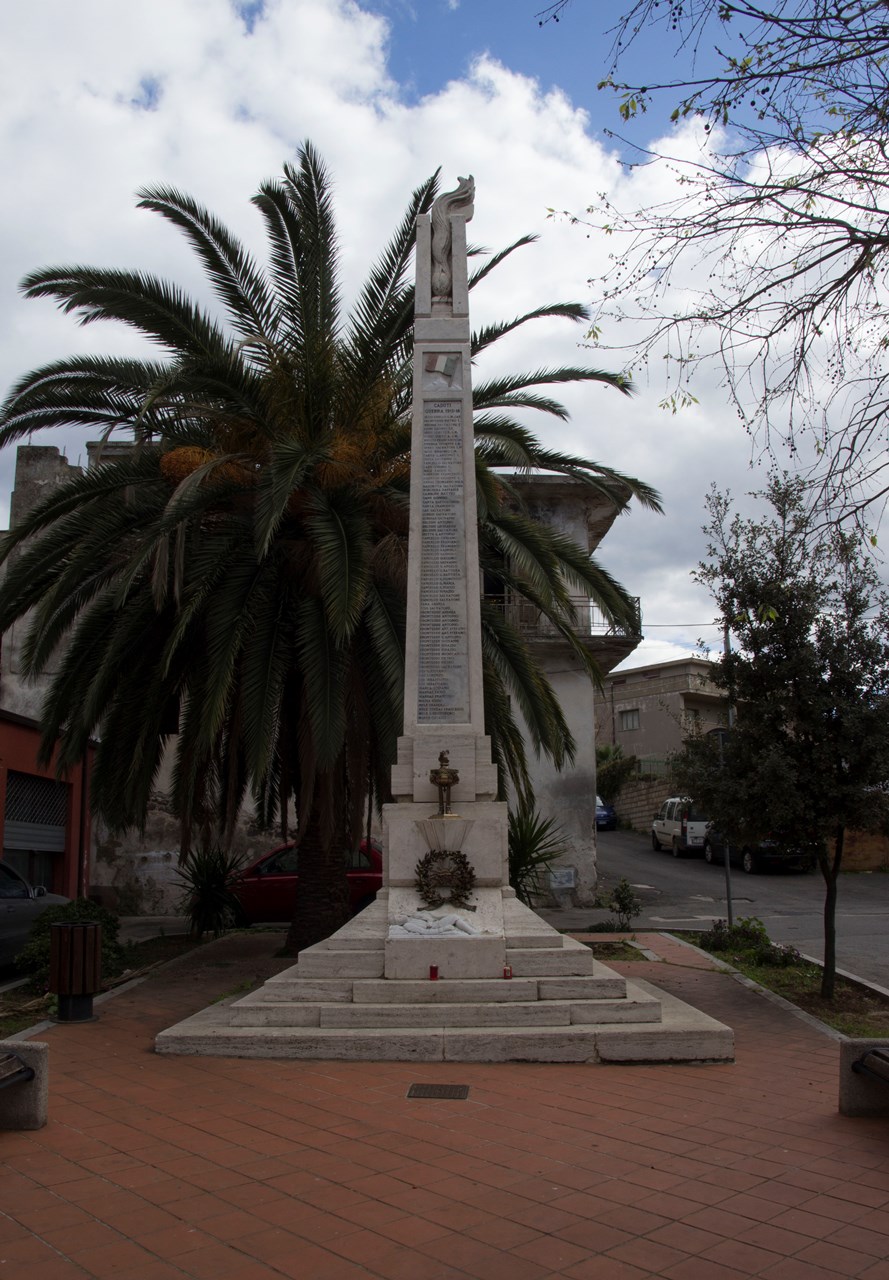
(589, 621)
(610, 641)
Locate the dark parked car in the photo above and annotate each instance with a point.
(606, 818)
(20, 905)
(766, 855)
(267, 889)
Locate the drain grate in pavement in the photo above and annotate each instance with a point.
(438, 1091)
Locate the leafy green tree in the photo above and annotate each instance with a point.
(808, 674)
(235, 584)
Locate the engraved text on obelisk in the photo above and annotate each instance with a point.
(443, 693)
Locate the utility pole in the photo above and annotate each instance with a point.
(727, 648)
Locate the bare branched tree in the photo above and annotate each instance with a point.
(776, 241)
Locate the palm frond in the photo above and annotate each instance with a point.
(340, 535)
(493, 332)
(322, 665)
(150, 306)
(496, 259)
(235, 278)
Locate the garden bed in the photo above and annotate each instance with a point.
(25, 1005)
(853, 1011)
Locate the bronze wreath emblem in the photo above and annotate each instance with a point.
(444, 869)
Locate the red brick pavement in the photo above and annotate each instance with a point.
(157, 1168)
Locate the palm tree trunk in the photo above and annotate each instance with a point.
(322, 901)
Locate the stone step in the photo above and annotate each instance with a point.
(632, 1008)
(402, 1015)
(524, 940)
(455, 991)
(325, 963)
(685, 1036)
(603, 985)
(365, 941)
(253, 1013)
(538, 962)
(364, 932)
(287, 987)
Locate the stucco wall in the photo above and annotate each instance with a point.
(639, 799)
(570, 796)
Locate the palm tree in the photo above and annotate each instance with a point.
(236, 582)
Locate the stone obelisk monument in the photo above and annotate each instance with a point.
(443, 699)
(473, 976)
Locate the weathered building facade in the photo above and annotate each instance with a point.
(44, 819)
(569, 796)
(649, 710)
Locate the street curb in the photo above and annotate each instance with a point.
(815, 1023)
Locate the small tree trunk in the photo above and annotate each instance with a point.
(322, 899)
(830, 869)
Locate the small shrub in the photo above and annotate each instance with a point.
(34, 958)
(775, 956)
(208, 879)
(751, 943)
(745, 934)
(624, 905)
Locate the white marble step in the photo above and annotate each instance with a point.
(523, 940)
(604, 984)
(324, 963)
(643, 1008)
(287, 987)
(683, 1035)
(538, 962)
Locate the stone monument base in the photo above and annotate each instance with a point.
(353, 997)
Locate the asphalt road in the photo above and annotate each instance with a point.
(687, 893)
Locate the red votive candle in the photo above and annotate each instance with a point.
(507, 971)
(433, 973)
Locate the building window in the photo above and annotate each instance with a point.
(629, 719)
(35, 827)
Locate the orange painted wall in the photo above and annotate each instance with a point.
(19, 744)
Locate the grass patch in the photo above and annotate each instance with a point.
(613, 950)
(852, 1011)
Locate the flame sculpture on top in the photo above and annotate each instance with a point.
(457, 201)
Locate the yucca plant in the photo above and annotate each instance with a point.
(207, 876)
(535, 843)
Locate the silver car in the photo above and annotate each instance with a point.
(20, 905)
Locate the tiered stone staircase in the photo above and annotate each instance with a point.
(560, 1005)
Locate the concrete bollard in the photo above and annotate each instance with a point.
(24, 1105)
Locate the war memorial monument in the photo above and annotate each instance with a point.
(447, 964)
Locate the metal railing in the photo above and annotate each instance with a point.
(588, 620)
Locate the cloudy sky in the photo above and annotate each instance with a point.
(210, 96)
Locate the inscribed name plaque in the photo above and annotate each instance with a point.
(443, 692)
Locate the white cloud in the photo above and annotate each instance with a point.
(192, 94)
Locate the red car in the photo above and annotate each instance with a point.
(267, 889)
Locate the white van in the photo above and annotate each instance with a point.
(679, 826)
